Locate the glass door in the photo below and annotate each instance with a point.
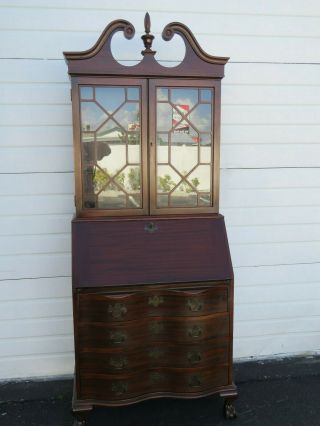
(184, 169)
(112, 177)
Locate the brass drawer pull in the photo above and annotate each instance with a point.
(156, 327)
(156, 353)
(195, 331)
(119, 388)
(194, 357)
(195, 305)
(156, 377)
(119, 363)
(194, 381)
(155, 300)
(150, 227)
(118, 336)
(118, 310)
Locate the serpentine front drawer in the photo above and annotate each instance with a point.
(125, 306)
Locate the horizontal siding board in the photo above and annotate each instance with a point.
(274, 7)
(17, 367)
(36, 309)
(277, 310)
(42, 204)
(35, 266)
(86, 20)
(33, 136)
(275, 253)
(45, 345)
(270, 215)
(29, 225)
(280, 293)
(35, 244)
(275, 275)
(33, 289)
(33, 94)
(281, 344)
(35, 327)
(36, 183)
(276, 326)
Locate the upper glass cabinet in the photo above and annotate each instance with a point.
(146, 136)
(144, 154)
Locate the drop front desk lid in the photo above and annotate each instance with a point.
(149, 250)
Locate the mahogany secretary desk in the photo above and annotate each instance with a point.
(151, 269)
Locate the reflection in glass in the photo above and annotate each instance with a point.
(92, 116)
(110, 98)
(162, 94)
(133, 93)
(184, 97)
(184, 155)
(86, 92)
(206, 95)
(205, 154)
(111, 148)
(184, 196)
(167, 178)
(128, 116)
(201, 117)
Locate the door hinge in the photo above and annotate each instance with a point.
(75, 200)
(71, 95)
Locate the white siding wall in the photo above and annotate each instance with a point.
(270, 167)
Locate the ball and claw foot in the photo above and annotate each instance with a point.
(79, 422)
(229, 410)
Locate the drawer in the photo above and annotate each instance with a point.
(166, 380)
(148, 330)
(129, 306)
(213, 353)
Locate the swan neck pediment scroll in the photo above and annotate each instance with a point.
(99, 60)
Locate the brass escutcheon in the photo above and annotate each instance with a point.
(118, 336)
(194, 381)
(194, 304)
(150, 227)
(118, 310)
(119, 388)
(119, 362)
(194, 357)
(195, 331)
(155, 300)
